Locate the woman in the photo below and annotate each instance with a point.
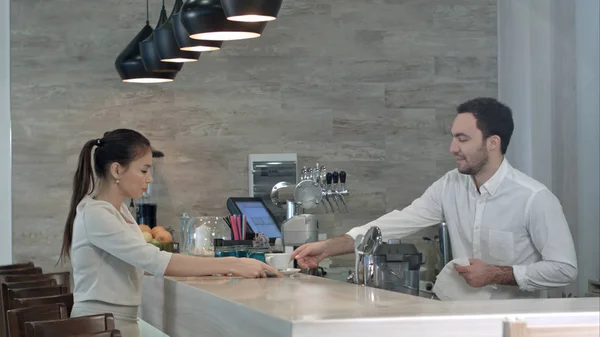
(107, 250)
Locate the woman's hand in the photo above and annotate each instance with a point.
(249, 268)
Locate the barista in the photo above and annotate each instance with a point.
(510, 226)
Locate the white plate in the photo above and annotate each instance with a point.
(289, 271)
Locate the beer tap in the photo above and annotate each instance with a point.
(336, 189)
(343, 191)
(330, 193)
(304, 173)
(323, 176)
(332, 184)
(320, 180)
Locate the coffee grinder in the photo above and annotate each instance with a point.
(298, 228)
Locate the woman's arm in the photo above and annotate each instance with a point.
(106, 232)
(185, 265)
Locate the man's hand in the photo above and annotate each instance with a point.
(309, 255)
(480, 274)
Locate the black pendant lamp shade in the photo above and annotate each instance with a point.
(185, 42)
(149, 53)
(166, 45)
(130, 66)
(251, 10)
(205, 20)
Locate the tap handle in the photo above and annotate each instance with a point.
(328, 178)
(336, 176)
(343, 177)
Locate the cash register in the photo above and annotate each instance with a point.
(259, 218)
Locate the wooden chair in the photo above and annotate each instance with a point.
(21, 271)
(17, 266)
(4, 300)
(66, 299)
(36, 292)
(16, 318)
(112, 333)
(521, 329)
(70, 326)
(62, 278)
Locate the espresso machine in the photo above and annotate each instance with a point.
(391, 266)
(314, 190)
(298, 228)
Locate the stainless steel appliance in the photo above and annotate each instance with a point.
(444, 244)
(264, 171)
(297, 229)
(314, 189)
(392, 266)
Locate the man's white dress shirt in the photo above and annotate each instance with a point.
(513, 221)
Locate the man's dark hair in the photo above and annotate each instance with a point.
(493, 118)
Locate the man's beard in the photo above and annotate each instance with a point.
(475, 168)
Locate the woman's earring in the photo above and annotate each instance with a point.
(118, 181)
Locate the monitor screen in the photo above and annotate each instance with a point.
(258, 218)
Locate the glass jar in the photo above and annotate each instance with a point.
(199, 235)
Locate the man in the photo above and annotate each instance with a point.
(509, 225)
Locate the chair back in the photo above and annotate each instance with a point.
(17, 266)
(4, 298)
(21, 271)
(70, 326)
(66, 299)
(36, 292)
(16, 318)
(62, 278)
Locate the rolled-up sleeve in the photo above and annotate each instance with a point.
(552, 238)
(105, 231)
(423, 212)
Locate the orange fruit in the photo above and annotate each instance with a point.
(163, 237)
(145, 228)
(157, 229)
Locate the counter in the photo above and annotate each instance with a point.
(304, 305)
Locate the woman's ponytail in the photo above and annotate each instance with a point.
(83, 184)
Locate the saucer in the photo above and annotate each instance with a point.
(289, 271)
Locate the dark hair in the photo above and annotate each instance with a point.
(121, 146)
(493, 118)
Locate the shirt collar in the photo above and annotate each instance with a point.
(491, 186)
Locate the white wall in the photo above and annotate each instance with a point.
(548, 73)
(5, 137)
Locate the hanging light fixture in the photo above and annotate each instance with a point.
(251, 10)
(150, 55)
(186, 43)
(205, 20)
(129, 62)
(166, 44)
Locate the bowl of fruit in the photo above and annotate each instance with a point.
(158, 236)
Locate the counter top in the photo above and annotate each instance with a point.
(302, 304)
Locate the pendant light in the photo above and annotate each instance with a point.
(166, 45)
(251, 10)
(186, 43)
(129, 62)
(150, 55)
(205, 20)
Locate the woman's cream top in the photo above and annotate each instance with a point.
(109, 254)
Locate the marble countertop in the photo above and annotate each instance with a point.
(302, 304)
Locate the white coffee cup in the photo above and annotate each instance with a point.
(280, 261)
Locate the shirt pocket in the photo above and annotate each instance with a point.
(502, 245)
